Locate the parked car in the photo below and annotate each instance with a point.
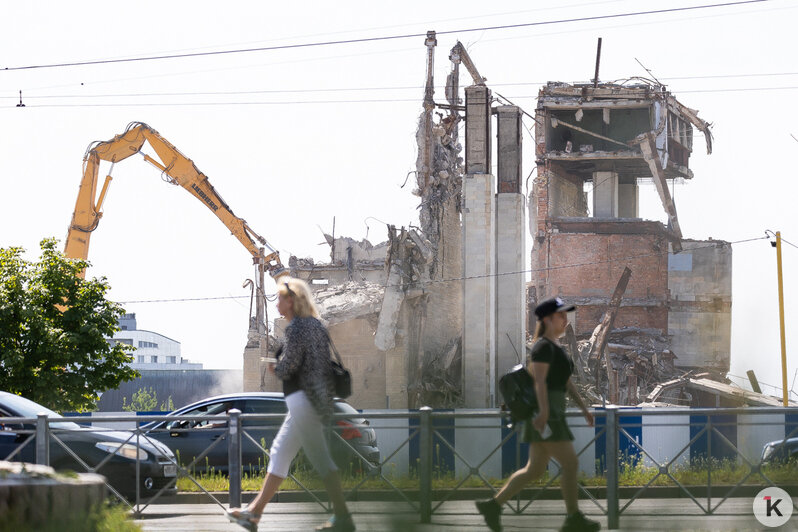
(189, 439)
(156, 460)
(776, 452)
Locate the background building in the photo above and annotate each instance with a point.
(153, 350)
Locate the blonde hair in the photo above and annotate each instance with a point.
(299, 291)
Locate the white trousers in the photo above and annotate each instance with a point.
(302, 428)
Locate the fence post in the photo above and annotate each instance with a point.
(425, 464)
(611, 457)
(234, 457)
(42, 440)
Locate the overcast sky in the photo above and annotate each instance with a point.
(293, 137)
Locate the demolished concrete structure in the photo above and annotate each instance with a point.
(610, 137)
(437, 313)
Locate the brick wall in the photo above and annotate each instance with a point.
(647, 317)
(585, 266)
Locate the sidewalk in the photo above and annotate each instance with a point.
(646, 514)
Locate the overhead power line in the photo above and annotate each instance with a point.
(300, 90)
(334, 102)
(467, 278)
(381, 38)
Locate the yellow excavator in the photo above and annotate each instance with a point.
(178, 170)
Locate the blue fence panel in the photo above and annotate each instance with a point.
(629, 452)
(442, 456)
(791, 425)
(719, 449)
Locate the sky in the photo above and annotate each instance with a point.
(294, 137)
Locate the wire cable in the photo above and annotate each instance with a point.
(324, 102)
(370, 89)
(788, 242)
(382, 38)
(472, 277)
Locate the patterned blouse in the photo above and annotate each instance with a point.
(306, 358)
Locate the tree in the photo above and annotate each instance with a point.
(53, 330)
(146, 400)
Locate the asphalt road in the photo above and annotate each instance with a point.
(645, 514)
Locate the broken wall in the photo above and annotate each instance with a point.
(699, 321)
(609, 136)
(575, 265)
(567, 196)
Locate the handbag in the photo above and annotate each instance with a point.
(518, 390)
(342, 379)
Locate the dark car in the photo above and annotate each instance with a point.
(91, 445)
(189, 439)
(776, 452)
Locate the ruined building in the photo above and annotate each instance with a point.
(437, 313)
(608, 138)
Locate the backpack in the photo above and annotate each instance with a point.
(518, 390)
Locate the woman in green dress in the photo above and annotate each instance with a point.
(548, 433)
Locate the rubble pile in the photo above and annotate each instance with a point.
(348, 301)
(440, 386)
(640, 358)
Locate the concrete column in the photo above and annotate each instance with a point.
(628, 194)
(251, 368)
(509, 147)
(478, 290)
(478, 138)
(510, 289)
(605, 194)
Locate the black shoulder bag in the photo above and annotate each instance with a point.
(342, 379)
(518, 390)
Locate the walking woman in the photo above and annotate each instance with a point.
(305, 369)
(548, 433)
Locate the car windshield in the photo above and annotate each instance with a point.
(27, 408)
(345, 408)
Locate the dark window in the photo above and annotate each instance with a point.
(267, 406)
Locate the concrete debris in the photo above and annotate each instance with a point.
(440, 386)
(408, 256)
(638, 360)
(719, 393)
(438, 179)
(348, 301)
(343, 249)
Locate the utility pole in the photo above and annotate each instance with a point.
(777, 245)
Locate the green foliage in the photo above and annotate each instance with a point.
(146, 400)
(53, 330)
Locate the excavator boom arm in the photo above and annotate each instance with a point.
(180, 170)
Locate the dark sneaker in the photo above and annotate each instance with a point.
(579, 523)
(338, 524)
(492, 513)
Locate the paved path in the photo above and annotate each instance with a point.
(646, 514)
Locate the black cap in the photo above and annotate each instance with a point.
(550, 306)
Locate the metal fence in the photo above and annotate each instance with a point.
(429, 433)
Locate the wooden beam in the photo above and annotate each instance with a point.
(602, 333)
(570, 337)
(648, 146)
